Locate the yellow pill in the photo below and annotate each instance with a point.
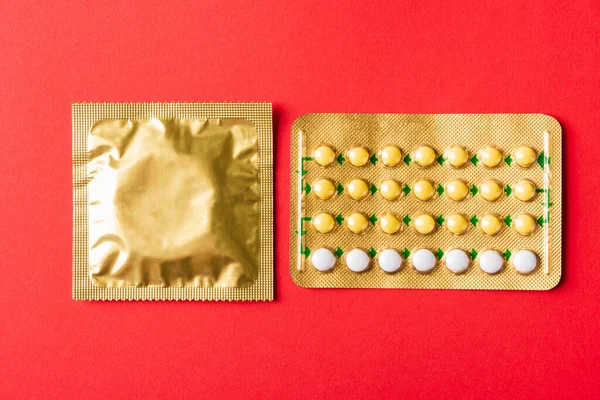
(423, 190)
(424, 224)
(490, 224)
(525, 156)
(390, 156)
(389, 223)
(457, 224)
(491, 190)
(524, 224)
(358, 156)
(457, 190)
(323, 222)
(323, 188)
(490, 156)
(390, 189)
(324, 155)
(457, 156)
(525, 190)
(357, 223)
(357, 189)
(424, 156)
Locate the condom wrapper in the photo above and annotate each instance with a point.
(172, 201)
(446, 201)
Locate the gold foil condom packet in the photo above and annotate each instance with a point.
(172, 201)
(447, 201)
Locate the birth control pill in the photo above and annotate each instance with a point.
(357, 260)
(423, 260)
(424, 156)
(324, 155)
(490, 224)
(390, 189)
(390, 260)
(457, 261)
(357, 223)
(424, 224)
(525, 156)
(491, 262)
(324, 188)
(390, 223)
(358, 156)
(323, 222)
(457, 224)
(424, 190)
(524, 224)
(490, 156)
(457, 190)
(491, 190)
(390, 156)
(357, 189)
(457, 156)
(524, 261)
(323, 259)
(525, 190)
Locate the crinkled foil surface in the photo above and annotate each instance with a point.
(440, 131)
(177, 198)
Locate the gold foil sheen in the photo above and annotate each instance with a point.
(440, 131)
(173, 201)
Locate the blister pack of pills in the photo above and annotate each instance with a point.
(455, 201)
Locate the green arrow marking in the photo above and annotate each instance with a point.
(441, 160)
(372, 219)
(541, 220)
(508, 160)
(474, 190)
(339, 189)
(507, 254)
(373, 159)
(303, 170)
(405, 253)
(373, 189)
(406, 220)
(340, 159)
(306, 189)
(440, 220)
(474, 220)
(440, 190)
(339, 252)
(406, 189)
(407, 160)
(372, 252)
(439, 254)
(539, 190)
(543, 160)
(507, 190)
(473, 254)
(339, 219)
(508, 220)
(474, 160)
(306, 251)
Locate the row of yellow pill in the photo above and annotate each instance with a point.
(422, 223)
(456, 156)
(423, 189)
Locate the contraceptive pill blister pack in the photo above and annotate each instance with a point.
(456, 201)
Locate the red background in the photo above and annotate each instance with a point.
(352, 56)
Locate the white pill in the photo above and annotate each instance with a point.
(323, 260)
(491, 261)
(423, 260)
(525, 261)
(457, 261)
(390, 260)
(357, 260)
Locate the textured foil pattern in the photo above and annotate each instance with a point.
(172, 201)
(440, 131)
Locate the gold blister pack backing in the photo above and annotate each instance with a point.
(86, 115)
(440, 131)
